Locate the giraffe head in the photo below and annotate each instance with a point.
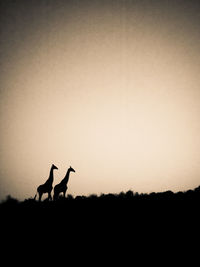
(71, 169)
(54, 167)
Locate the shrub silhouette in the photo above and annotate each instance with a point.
(129, 206)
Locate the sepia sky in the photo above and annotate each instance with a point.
(111, 88)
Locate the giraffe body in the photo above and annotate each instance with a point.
(62, 186)
(47, 186)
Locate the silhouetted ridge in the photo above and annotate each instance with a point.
(129, 210)
(133, 198)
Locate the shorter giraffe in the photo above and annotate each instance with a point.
(62, 186)
(47, 186)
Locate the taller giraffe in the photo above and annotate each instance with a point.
(62, 186)
(47, 186)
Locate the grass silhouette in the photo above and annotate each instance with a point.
(161, 218)
(129, 203)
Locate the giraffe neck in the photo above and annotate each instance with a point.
(65, 180)
(50, 179)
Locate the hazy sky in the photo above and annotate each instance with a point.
(111, 88)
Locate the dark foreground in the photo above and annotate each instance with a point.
(127, 207)
(98, 225)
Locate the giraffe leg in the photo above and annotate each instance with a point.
(64, 192)
(49, 196)
(55, 196)
(40, 196)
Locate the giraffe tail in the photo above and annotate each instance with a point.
(35, 196)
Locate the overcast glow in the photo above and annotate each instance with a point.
(112, 91)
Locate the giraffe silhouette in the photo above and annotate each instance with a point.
(62, 186)
(47, 186)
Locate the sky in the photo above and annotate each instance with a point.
(111, 88)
